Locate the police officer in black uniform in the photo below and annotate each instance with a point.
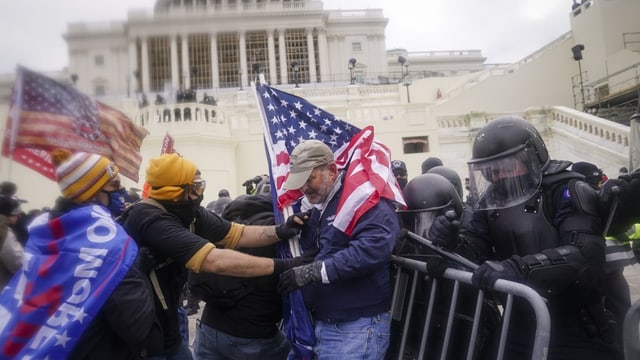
(537, 223)
(429, 196)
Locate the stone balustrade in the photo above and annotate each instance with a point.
(610, 135)
(185, 116)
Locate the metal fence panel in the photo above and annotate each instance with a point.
(443, 337)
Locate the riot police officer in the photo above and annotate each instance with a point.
(428, 197)
(536, 223)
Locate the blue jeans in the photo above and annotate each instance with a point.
(211, 344)
(364, 338)
(184, 324)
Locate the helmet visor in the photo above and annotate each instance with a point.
(423, 222)
(505, 181)
(419, 221)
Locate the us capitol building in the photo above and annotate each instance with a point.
(186, 68)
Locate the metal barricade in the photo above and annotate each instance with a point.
(632, 332)
(407, 294)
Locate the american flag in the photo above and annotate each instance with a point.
(289, 119)
(46, 114)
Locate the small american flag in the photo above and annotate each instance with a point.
(289, 119)
(48, 115)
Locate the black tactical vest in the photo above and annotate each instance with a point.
(523, 229)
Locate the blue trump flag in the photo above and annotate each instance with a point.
(71, 266)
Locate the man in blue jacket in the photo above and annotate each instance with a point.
(347, 288)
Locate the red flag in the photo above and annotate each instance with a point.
(167, 144)
(438, 95)
(46, 114)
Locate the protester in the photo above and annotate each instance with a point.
(546, 233)
(10, 248)
(241, 315)
(347, 288)
(20, 220)
(118, 196)
(250, 185)
(217, 207)
(399, 169)
(223, 199)
(181, 235)
(81, 290)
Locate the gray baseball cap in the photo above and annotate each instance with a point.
(305, 157)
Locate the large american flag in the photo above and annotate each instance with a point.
(46, 114)
(289, 119)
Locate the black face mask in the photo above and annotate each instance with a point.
(185, 210)
(402, 182)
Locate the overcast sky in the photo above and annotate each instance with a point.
(505, 30)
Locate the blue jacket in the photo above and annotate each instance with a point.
(357, 267)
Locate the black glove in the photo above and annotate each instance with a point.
(291, 228)
(444, 232)
(513, 268)
(436, 265)
(298, 277)
(282, 265)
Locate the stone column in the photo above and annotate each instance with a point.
(323, 55)
(343, 58)
(272, 76)
(145, 66)
(312, 56)
(215, 78)
(132, 82)
(243, 58)
(184, 72)
(284, 78)
(175, 72)
(371, 60)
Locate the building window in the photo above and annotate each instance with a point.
(99, 60)
(297, 51)
(100, 90)
(415, 144)
(228, 60)
(200, 61)
(257, 53)
(159, 62)
(356, 47)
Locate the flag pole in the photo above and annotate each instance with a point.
(294, 247)
(15, 118)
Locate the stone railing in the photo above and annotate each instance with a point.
(600, 132)
(155, 115)
(610, 135)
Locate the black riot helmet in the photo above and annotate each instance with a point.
(428, 196)
(450, 175)
(508, 159)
